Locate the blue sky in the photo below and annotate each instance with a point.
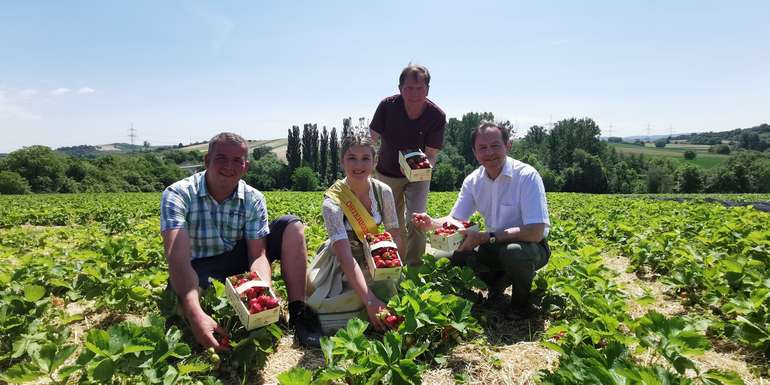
(79, 72)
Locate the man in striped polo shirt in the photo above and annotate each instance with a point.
(214, 225)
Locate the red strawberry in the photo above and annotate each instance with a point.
(255, 308)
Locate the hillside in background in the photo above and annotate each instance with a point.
(276, 146)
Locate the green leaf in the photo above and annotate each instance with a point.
(295, 376)
(23, 372)
(33, 293)
(104, 370)
(722, 378)
(51, 356)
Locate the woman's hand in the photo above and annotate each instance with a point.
(374, 306)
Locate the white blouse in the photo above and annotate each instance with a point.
(337, 225)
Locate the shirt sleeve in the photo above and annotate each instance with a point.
(435, 136)
(389, 220)
(335, 226)
(534, 206)
(173, 210)
(465, 205)
(377, 124)
(256, 226)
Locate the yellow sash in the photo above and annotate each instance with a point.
(360, 220)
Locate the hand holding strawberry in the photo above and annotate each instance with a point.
(390, 319)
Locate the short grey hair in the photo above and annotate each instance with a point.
(228, 137)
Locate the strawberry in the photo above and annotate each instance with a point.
(225, 342)
(255, 308)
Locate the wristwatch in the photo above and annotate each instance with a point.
(492, 239)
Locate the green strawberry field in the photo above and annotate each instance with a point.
(638, 291)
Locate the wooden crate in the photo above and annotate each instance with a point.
(250, 321)
(448, 243)
(416, 175)
(381, 273)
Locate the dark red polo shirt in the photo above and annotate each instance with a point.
(398, 132)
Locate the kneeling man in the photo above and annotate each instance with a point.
(510, 196)
(214, 225)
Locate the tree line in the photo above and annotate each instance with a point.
(569, 156)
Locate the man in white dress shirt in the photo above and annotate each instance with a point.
(510, 196)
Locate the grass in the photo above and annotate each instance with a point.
(675, 153)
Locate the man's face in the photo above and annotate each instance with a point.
(226, 165)
(414, 91)
(490, 150)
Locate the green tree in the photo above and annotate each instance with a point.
(267, 173)
(689, 154)
(749, 140)
(260, 151)
(586, 174)
(293, 149)
(689, 179)
(569, 135)
(323, 157)
(40, 166)
(761, 175)
(444, 178)
(304, 179)
(659, 179)
(721, 180)
(13, 183)
(536, 135)
(334, 157)
(623, 178)
(720, 149)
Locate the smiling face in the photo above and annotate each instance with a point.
(225, 165)
(358, 162)
(491, 151)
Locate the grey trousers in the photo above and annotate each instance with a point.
(410, 197)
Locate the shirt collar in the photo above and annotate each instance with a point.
(240, 191)
(506, 171)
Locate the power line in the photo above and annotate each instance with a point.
(132, 135)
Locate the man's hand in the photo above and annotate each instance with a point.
(472, 239)
(203, 328)
(422, 221)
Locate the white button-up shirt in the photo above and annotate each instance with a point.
(515, 198)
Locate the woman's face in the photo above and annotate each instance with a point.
(358, 162)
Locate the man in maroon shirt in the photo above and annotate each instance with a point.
(408, 121)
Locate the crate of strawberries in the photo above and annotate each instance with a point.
(447, 238)
(414, 165)
(252, 299)
(382, 257)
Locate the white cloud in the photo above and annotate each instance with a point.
(60, 91)
(86, 90)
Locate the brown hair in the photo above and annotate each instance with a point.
(228, 137)
(356, 138)
(414, 71)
